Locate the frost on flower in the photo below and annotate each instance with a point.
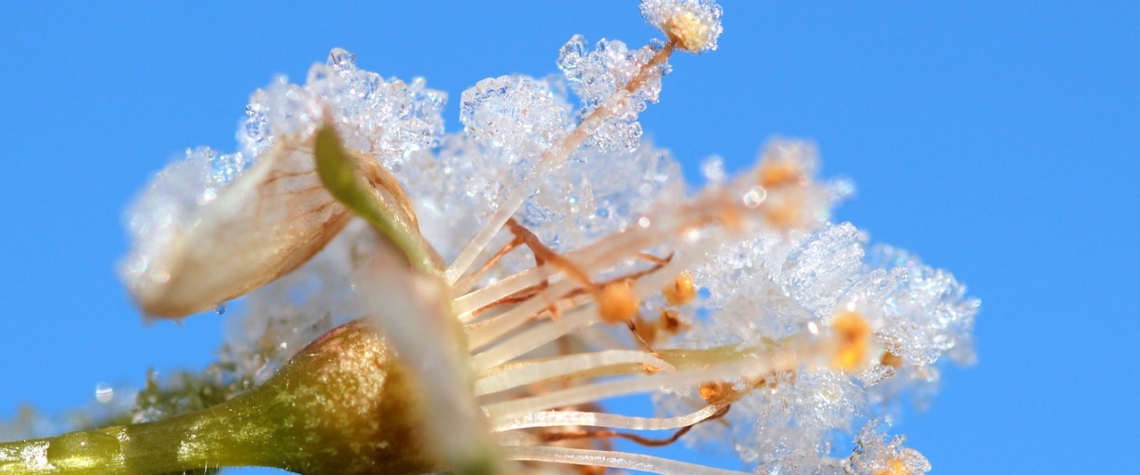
(212, 227)
(503, 282)
(768, 289)
(597, 76)
(693, 24)
(875, 455)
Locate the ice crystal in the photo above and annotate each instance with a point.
(694, 24)
(171, 203)
(519, 114)
(768, 289)
(595, 76)
(875, 455)
(386, 118)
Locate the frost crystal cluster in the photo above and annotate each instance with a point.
(469, 302)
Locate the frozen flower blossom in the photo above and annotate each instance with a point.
(480, 295)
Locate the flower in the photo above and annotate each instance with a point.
(524, 271)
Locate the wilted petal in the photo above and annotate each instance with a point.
(271, 219)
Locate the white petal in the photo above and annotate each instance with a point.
(273, 218)
(413, 311)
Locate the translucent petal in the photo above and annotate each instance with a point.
(411, 309)
(270, 220)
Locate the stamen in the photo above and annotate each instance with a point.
(602, 419)
(713, 391)
(544, 254)
(469, 281)
(532, 338)
(616, 300)
(604, 434)
(566, 367)
(611, 459)
(602, 390)
(646, 441)
(467, 304)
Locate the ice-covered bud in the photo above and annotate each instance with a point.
(693, 25)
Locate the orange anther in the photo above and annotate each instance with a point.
(777, 174)
(690, 33)
(646, 330)
(895, 466)
(681, 291)
(617, 303)
(649, 369)
(671, 323)
(785, 213)
(853, 335)
(713, 391)
(891, 359)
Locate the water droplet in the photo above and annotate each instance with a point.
(220, 309)
(104, 393)
(754, 197)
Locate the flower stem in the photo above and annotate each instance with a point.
(341, 406)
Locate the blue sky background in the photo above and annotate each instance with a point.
(997, 141)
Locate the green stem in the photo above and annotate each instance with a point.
(342, 406)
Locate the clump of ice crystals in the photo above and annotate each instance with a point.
(874, 455)
(768, 288)
(170, 202)
(518, 114)
(594, 194)
(508, 123)
(595, 76)
(388, 119)
(693, 24)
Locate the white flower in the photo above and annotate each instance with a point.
(578, 267)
